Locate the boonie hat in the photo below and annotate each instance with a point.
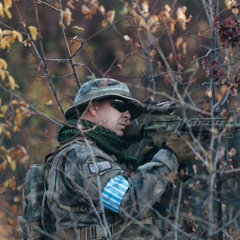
(103, 88)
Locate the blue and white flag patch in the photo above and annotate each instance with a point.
(114, 192)
(99, 166)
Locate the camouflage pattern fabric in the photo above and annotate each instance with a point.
(79, 174)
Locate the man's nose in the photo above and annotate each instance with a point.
(127, 115)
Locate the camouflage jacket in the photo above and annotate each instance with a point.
(78, 178)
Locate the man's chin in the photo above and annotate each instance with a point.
(119, 133)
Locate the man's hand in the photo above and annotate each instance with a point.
(181, 147)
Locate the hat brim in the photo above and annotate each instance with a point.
(135, 109)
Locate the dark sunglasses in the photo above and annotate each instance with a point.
(120, 105)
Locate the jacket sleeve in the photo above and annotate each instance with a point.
(148, 184)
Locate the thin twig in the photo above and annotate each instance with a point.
(54, 91)
(67, 47)
(31, 107)
(48, 5)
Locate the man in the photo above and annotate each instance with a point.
(90, 191)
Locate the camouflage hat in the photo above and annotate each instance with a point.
(103, 88)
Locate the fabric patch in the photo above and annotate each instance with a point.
(99, 166)
(114, 192)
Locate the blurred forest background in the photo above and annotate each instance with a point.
(184, 51)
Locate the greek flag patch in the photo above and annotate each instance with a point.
(113, 193)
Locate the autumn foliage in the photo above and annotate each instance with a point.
(183, 51)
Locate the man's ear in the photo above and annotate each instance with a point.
(93, 107)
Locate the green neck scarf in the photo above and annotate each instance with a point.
(105, 139)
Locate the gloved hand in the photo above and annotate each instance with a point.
(180, 146)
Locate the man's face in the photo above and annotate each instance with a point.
(113, 115)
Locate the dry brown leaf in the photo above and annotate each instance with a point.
(179, 42)
(127, 38)
(67, 15)
(110, 16)
(153, 55)
(33, 32)
(145, 7)
(24, 160)
(12, 83)
(1, 10)
(4, 165)
(70, 5)
(49, 103)
(181, 16)
(13, 166)
(184, 47)
(14, 102)
(3, 64)
(61, 25)
(101, 9)
(78, 28)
